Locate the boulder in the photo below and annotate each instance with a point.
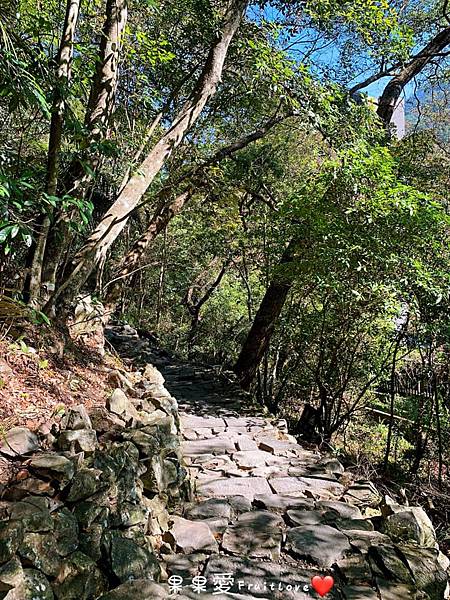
(11, 575)
(33, 585)
(411, 524)
(141, 589)
(53, 466)
(118, 402)
(256, 534)
(76, 418)
(78, 440)
(323, 544)
(429, 575)
(11, 536)
(79, 579)
(33, 513)
(85, 483)
(128, 560)
(190, 536)
(19, 441)
(152, 375)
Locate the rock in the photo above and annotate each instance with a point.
(280, 503)
(363, 540)
(128, 560)
(33, 586)
(280, 447)
(85, 483)
(186, 565)
(11, 536)
(118, 402)
(256, 534)
(79, 440)
(389, 590)
(118, 380)
(79, 579)
(152, 375)
(38, 550)
(190, 536)
(250, 459)
(105, 421)
(331, 465)
(360, 592)
(429, 575)
(233, 486)
(214, 508)
(194, 422)
(140, 589)
(209, 446)
(33, 514)
(31, 485)
(412, 524)
(389, 562)
(299, 518)
(11, 575)
(19, 441)
(245, 443)
(362, 494)
(53, 466)
(76, 418)
(342, 509)
(323, 544)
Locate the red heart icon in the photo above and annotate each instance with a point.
(322, 585)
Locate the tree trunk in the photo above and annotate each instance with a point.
(115, 220)
(393, 90)
(63, 73)
(97, 118)
(261, 331)
(167, 210)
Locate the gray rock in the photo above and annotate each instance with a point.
(128, 560)
(185, 565)
(298, 518)
(363, 540)
(390, 590)
(11, 574)
(33, 586)
(323, 544)
(76, 418)
(37, 549)
(250, 459)
(429, 575)
(193, 422)
(233, 486)
(256, 534)
(360, 592)
(152, 375)
(411, 525)
(209, 446)
(79, 579)
(86, 483)
(245, 443)
(362, 494)
(342, 509)
(118, 402)
(388, 560)
(33, 514)
(281, 502)
(190, 536)
(53, 466)
(78, 440)
(140, 589)
(214, 508)
(11, 536)
(19, 441)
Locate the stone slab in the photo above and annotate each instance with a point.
(209, 446)
(256, 534)
(323, 544)
(224, 487)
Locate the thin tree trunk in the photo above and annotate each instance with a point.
(167, 210)
(63, 73)
(258, 338)
(97, 119)
(393, 90)
(112, 224)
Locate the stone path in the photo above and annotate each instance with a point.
(268, 514)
